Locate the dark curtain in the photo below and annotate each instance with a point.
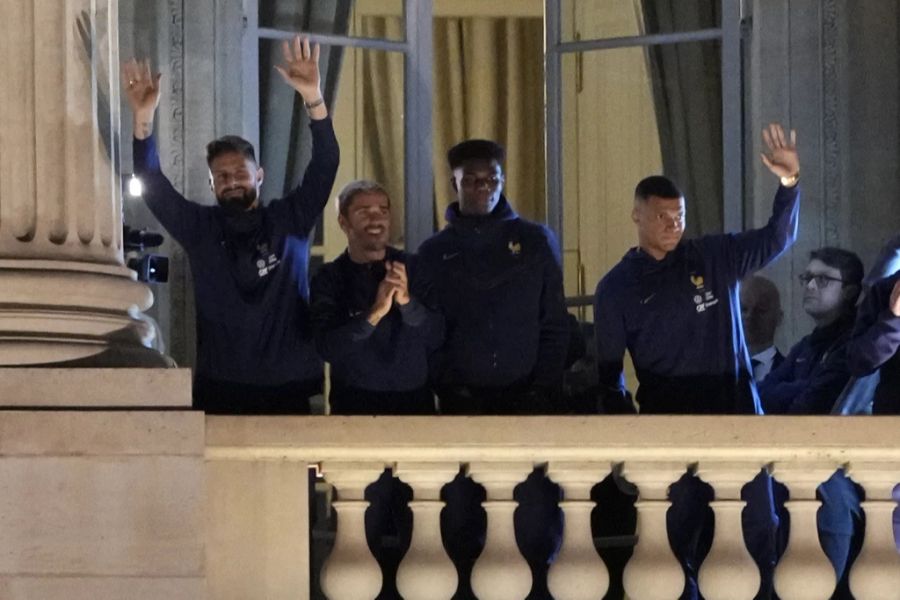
(285, 141)
(687, 94)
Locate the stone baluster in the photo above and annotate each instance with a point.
(578, 572)
(351, 572)
(426, 572)
(65, 292)
(729, 571)
(876, 572)
(501, 572)
(804, 572)
(653, 573)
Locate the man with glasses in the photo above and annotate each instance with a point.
(815, 371)
(809, 382)
(674, 305)
(498, 280)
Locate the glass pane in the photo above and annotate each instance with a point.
(629, 113)
(364, 90)
(340, 17)
(488, 83)
(597, 19)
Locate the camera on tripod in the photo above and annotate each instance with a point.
(150, 268)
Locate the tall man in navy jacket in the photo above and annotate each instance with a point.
(498, 281)
(249, 262)
(674, 305)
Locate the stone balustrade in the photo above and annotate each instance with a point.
(578, 452)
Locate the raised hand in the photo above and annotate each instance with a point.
(301, 68)
(894, 302)
(396, 276)
(142, 92)
(781, 158)
(384, 299)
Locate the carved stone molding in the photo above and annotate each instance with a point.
(831, 143)
(65, 293)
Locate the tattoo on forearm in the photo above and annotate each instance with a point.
(145, 127)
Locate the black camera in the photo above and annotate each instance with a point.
(150, 268)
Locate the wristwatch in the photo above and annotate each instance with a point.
(791, 181)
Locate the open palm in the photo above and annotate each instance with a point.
(141, 86)
(782, 158)
(300, 68)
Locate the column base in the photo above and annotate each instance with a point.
(74, 314)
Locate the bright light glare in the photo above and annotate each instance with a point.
(135, 187)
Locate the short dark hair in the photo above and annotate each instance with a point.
(475, 150)
(656, 185)
(847, 262)
(354, 188)
(228, 144)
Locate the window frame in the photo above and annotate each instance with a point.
(417, 50)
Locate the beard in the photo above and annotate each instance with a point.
(237, 204)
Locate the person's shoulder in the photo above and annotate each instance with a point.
(533, 228)
(330, 271)
(888, 282)
(435, 243)
(614, 280)
(536, 234)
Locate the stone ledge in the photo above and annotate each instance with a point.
(61, 433)
(54, 387)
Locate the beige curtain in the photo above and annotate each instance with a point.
(379, 115)
(488, 83)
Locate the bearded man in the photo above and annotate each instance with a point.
(255, 353)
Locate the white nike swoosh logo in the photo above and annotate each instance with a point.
(449, 255)
(648, 298)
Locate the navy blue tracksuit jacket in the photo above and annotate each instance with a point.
(874, 344)
(250, 270)
(680, 319)
(498, 281)
(389, 357)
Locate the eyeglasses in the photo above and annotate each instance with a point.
(470, 181)
(820, 279)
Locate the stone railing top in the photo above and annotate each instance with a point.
(835, 440)
(94, 388)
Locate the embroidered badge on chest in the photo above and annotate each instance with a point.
(265, 265)
(703, 298)
(515, 248)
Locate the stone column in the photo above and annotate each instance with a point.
(728, 572)
(804, 572)
(351, 572)
(578, 572)
(501, 572)
(653, 573)
(65, 293)
(876, 572)
(426, 572)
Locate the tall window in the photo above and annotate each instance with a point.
(587, 95)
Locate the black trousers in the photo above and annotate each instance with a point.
(354, 401)
(219, 397)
